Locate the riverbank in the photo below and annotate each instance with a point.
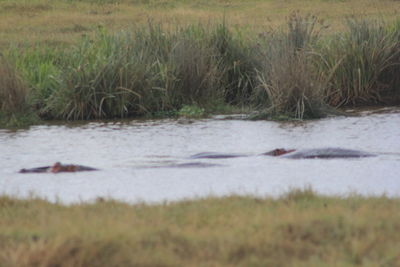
(300, 69)
(297, 229)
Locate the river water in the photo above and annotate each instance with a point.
(139, 160)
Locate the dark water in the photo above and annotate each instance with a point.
(149, 160)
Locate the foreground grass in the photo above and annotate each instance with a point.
(298, 229)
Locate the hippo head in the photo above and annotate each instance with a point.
(278, 152)
(58, 167)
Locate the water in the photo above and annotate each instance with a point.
(137, 158)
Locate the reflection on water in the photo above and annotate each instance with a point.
(150, 160)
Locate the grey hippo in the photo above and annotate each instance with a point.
(58, 167)
(214, 155)
(322, 153)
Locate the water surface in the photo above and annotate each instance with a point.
(139, 160)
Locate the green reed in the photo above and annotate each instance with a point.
(300, 71)
(368, 58)
(289, 81)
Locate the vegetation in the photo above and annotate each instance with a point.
(297, 229)
(14, 108)
(61, 22)
(191, 112)
(299, 70)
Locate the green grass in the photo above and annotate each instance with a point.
(60, 23)
(367, 54)
(15, 110)
(13, 90)
(289, 82)
(298, 70)
(298, 229)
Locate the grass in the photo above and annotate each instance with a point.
(15, 110)
(298, 229)
(289, 80)
(13, 91)
(301, 69)
(366, 53)
(60, 22)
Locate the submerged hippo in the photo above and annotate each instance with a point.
(324, 153)
(58, 167)
(294, 154)
(214, 155)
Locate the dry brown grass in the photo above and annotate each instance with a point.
(300, 229)
(62, 22)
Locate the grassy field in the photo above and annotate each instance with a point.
(298, 229)
(59, 22)
(75, 60)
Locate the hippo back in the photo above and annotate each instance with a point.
(327, 153)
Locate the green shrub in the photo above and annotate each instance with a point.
(191, 111)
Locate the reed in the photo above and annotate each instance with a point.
(196, 71)
(367, 56)
(97, 81)
(299, 71)
(13, 91)
(15, 107)
(135, 73)
(40, 70)
(289, 82)
(236, 55)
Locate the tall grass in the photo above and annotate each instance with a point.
(236, 54)
(299, 71)
(15, 106)
(39, 68)
(99, 76)
(135, 73)
(13, 90)
(289, 81)
(369, 56)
